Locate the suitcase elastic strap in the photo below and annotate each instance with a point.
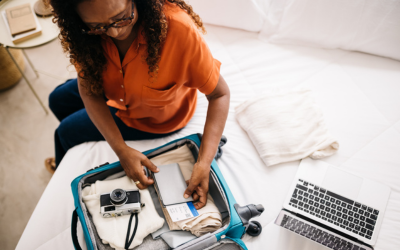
(74, 235)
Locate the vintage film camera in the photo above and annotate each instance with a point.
(120, 202)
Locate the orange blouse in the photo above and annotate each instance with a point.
(167, 104)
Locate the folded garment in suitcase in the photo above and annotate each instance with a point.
(112, 231)
(209, 218)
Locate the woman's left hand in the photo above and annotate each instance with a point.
(217, 113)
(198, 185)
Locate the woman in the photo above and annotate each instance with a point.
(140, 64)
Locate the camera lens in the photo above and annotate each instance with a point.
(118, 197)
(118, 194)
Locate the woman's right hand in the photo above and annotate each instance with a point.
(133, 162)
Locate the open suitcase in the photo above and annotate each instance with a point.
(236, 219)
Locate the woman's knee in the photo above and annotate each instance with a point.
(63, 133)
(68, 131)
(65, 99)
(61, 93)
(53, 100)
(76, 129)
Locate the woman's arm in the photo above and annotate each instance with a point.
(217, 113)
(131, 160)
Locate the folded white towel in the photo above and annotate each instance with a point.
(209, 218)
(286, 125)
(113, 230)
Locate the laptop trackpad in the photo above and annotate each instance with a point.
(343, 183)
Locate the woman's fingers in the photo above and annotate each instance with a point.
(195, 196)
(202, 201)
(190, 189)
(143, 179)
(133, 163)
(139, 176)
(149, 176)
(147, 163)
(140, 186)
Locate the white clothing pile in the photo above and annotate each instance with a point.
(286, 125)
(113, 230)
(209, 218)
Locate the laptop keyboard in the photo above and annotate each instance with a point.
(316, 234)
(336, 209)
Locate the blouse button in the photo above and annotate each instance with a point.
(121, 100)
(120, 71)
(122, 86)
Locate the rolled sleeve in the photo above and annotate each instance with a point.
(212, 81)
(202, 69)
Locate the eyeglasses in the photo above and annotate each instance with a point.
(117, 24)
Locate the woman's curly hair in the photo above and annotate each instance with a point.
(86, 50)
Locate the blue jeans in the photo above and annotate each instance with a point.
(75, 125)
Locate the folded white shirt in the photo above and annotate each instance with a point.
(113, 230)
(286, 125)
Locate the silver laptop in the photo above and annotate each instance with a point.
(334, 208)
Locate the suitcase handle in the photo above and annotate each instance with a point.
(74, 235)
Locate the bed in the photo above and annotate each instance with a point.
(360, 97)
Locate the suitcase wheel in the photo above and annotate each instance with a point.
(254, 228)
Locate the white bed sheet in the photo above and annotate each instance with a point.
(360, 97)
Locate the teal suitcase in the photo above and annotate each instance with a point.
(236, 219)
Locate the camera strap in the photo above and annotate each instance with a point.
(128, 241)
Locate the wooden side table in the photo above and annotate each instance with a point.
(50, 32)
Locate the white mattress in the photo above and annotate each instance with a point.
(360, 97)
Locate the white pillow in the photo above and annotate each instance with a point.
(371, 26)
(239, 14)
